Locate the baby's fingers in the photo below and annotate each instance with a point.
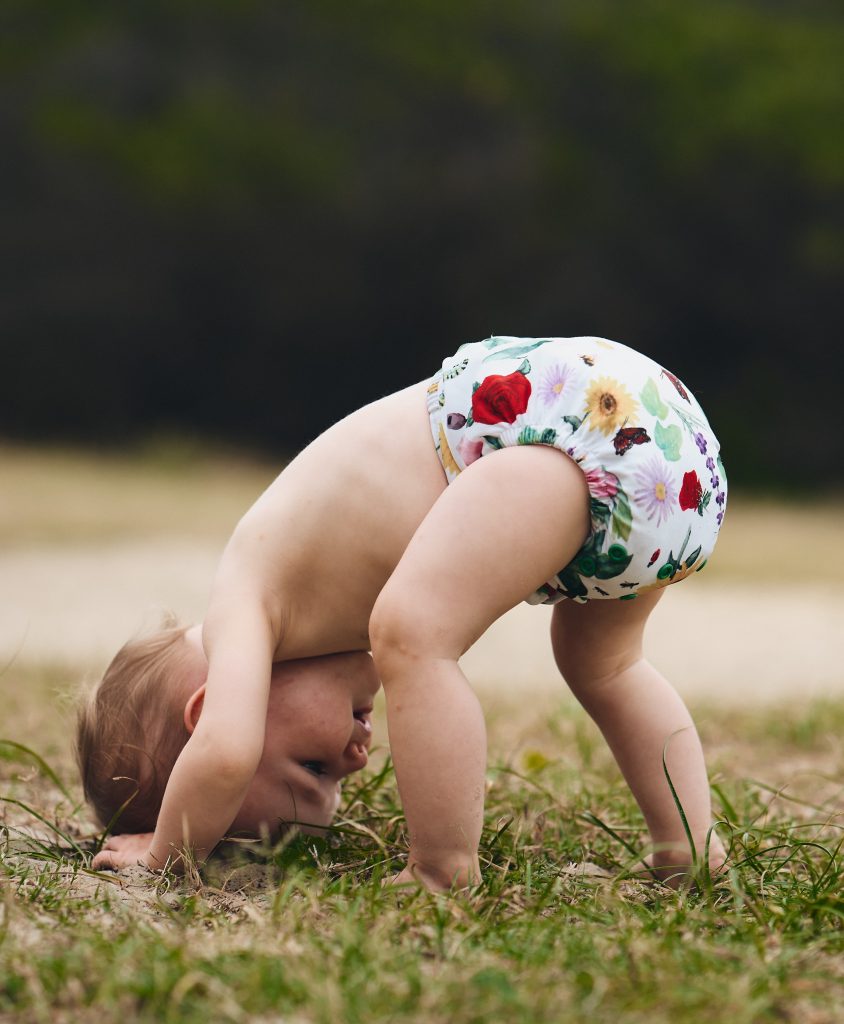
(123, 851)
(106, 860)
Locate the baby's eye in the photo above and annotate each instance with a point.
(314, 767)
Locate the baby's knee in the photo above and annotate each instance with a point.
(589, 672)
(399, 633)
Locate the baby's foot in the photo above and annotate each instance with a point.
(675, 868)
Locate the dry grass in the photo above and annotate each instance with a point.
(305, 933)
(63, 497)
(54, 496)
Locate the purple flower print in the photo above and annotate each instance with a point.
(553, 384)
(719, 518)
(700, 441)
(656, 490)
(710, 464)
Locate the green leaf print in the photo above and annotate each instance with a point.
(455, 370)
(530, 435)
(524, 367)
(590, 561)
(493, 442)
(622, 516)
(669, 440)
(573, 421)
(651, 400)
(691, 422)
(512, 353)
(571, 582)
(599, 511)
(612, 564)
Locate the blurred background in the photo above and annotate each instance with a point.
(237, 220)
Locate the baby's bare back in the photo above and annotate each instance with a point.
(322, 540)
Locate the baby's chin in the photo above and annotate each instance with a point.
(271, 831)
(269, 823)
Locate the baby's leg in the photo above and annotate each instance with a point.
(598, 649)
(502, 528)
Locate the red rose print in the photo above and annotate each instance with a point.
(691, 492)
(499, 399)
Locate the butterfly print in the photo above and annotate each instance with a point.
(627, 437)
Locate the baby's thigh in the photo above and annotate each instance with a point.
(509, 522)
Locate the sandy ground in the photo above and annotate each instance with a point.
(734, 642)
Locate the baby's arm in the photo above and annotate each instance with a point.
(215, 768)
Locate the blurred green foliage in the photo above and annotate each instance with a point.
(246, 218)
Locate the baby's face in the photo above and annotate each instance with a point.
(318, 732)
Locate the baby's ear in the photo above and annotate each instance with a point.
(193, 708)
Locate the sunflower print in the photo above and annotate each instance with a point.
(609, 405)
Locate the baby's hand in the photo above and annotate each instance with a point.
(126, 851)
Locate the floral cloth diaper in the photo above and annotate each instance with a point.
(651, 461)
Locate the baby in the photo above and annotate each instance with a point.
(131, 730)
(397, 531)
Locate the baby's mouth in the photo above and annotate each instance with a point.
(362, 732)
(362, 715)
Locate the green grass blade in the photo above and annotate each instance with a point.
(637, 856)
(43, 767)
(44, 821)
(676, 799)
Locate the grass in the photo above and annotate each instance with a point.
(560, 930)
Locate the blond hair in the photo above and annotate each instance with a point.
(130, 730)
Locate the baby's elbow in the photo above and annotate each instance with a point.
(230, 758)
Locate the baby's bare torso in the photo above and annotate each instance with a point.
(321, 542)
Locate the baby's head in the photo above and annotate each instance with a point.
(133, 726)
